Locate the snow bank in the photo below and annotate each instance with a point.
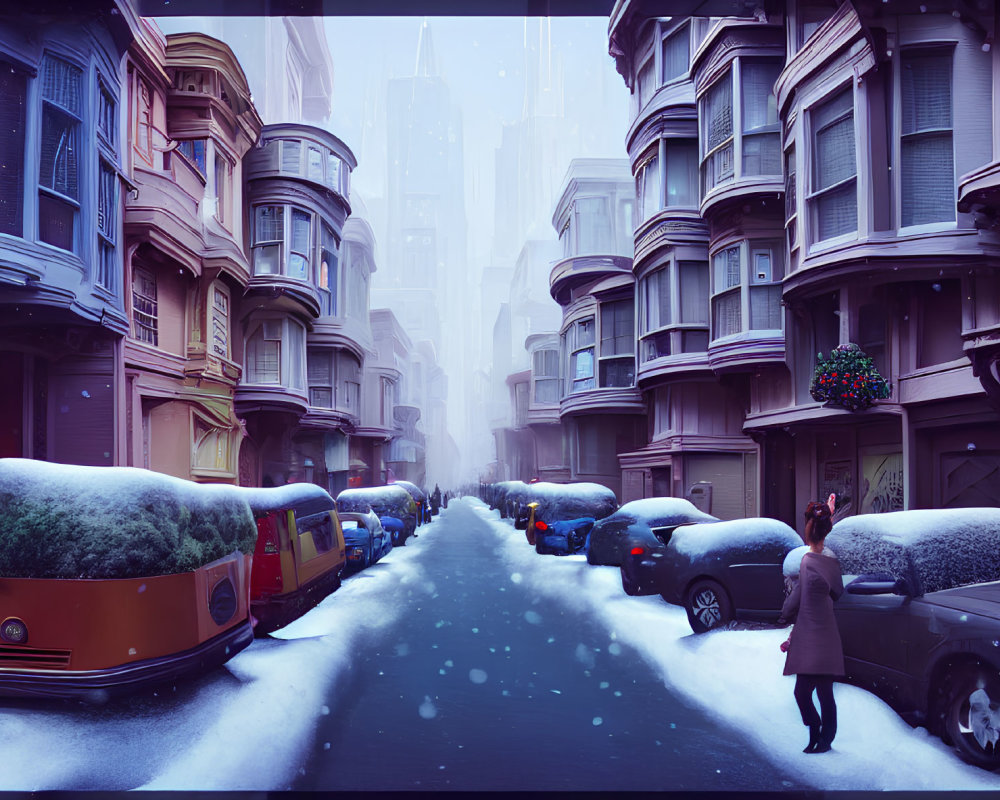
(934, 548)
(874, 749)
(69, 521)
(756, 533)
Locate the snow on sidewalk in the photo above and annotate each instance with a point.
(735, 675)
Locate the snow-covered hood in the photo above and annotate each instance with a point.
(978, 598)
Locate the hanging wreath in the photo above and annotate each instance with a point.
(848, 379)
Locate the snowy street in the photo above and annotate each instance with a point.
(459, 656)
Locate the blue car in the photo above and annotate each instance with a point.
(365, 539)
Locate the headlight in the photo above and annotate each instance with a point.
(14, 631)
(222, 605)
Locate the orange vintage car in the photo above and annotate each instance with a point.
(116, 578)
(299, 555)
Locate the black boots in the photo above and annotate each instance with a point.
(813, 739)
(821, 738)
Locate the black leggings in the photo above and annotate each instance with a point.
(827, 716)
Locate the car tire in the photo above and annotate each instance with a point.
(957, 723)
(707, 605)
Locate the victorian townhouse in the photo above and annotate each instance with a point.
(182, 288)
(833, 167)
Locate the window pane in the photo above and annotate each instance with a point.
(107, 202)
(837, 211)
(59, 168)
(694, 341)
(56, 221)
(585, 332)
(106, 121)
(333, 172)
(727, 268)
(651, 188)
(682, 173)
(835, 159)
(547, 391)
(765, 307)
(676, 54)
(727, 317)
(719, 113)
(645, 82)
(760, 106)
(618, 372)
(594, 225)
(616, 328)
(656, 345)
(291, 156)
(762, 154)
(926, 82)
(144, 306)
(61, 85)
(928, 180)
(694, 291)
(266, 260)
(269, 224)
(790, 183)
(296, 355)
(315, 165)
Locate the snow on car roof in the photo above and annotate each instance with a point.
(411, 488)
(582, 490)
(705, 538)
(659, 507)
(940, 548)
(71, 521)
(287, 496)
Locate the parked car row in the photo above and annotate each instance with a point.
(919, 620)
(117, 578)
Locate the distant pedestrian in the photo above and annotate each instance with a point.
(815, 653)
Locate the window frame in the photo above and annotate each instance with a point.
(923, 48)
(813, 195)
(286, 245)
(142, 297)
(577, 345)
(676, 329)
(604, 361)
(748, 280)
(541, 377)
(290, 364)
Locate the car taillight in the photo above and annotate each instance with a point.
(637, 551)
(541, 526)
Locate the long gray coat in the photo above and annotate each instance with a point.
(815, 647)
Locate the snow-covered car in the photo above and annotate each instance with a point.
(640, 522)
(551, 503)
(419, 497)
(117, 578)
(300, 552)
(392, 504)
(920, 619)
(719, 571)
(497, 495)
(365, 538)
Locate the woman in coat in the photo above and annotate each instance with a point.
(815, 653)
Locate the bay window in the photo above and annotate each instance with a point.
(833, 202)
(926, 148)
(275, 353)
(747, 288)
(274, 226)
(617, 358)
(666, 329)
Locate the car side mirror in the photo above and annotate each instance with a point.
(879, 584)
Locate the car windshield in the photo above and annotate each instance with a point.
(934, 549)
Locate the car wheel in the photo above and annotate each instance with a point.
(707, 606)
(972, 716)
